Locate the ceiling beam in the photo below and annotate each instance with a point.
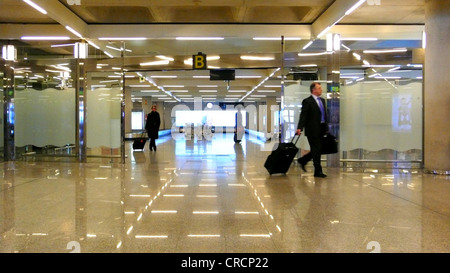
(331, 16)
(168, 31)
(61, 14)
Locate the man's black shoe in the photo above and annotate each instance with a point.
(320, 175)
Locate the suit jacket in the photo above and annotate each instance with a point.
(310, 117)
(152, 124)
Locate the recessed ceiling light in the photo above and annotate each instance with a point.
(46, 38)
(122, 38)
(199, 38)
(256, 58)
(378, 51)
(163, 62)
(34, 5)
(276, 38)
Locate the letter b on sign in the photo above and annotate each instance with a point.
(199, 61)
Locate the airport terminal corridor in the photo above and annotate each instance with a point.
(214, 196)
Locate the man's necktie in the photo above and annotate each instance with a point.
(322, 110)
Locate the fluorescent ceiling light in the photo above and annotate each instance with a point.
(357, 56)
(314, 54)
(94, 45)
(48, 38)
(164, 77)
(122, 38)
(424, 39)
(74, 32)
(308, 44)
(355, 6)
(323, 31)
(276, 38)
(199, 38)
(62, 45)
(43, 11)
(378, 51)
(388, 77)
(359, 39)
(248, 77)
(173, 86)
(257, 58)
(163, 62)
(119, 49)
(165, 58)
(346, 47)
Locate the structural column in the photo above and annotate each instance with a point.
(333, 92)
(80, 87)
(437, 85)
(8, 112)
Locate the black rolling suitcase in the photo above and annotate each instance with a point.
(281, 158)
(139, 143)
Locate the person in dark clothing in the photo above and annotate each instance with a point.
(314, 120)
(152, 127)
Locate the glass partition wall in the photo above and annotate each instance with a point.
(380, 117)
(381, 123)
(47, 118)
(44, 102)
(103, 115)
(380, 114)
(2, 118)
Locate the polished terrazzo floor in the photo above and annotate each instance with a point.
(215, 196)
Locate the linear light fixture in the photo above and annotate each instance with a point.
(276, 38)
(62, 45)
(380, 51)
(308, 44)
(424, 39)
(94, 45)
(355, 6)
(34, 5)
(162, 57)
(308, 65)
(163, 62)
(119, 49)
(45, 38)
(314, 54)
(324, 31)
(357, 56)
(359, 39)
(199, 38)
(122, 38)
(74, 32)
(108, 54)
(256, 58)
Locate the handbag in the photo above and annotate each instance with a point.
(329, 144)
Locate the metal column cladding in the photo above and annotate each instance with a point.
(9, 111)
(80, 86)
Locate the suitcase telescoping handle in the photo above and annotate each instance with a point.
(292, 141)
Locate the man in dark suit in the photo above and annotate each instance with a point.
(152, 127)
(314, 120)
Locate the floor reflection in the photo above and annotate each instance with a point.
(215, 196)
